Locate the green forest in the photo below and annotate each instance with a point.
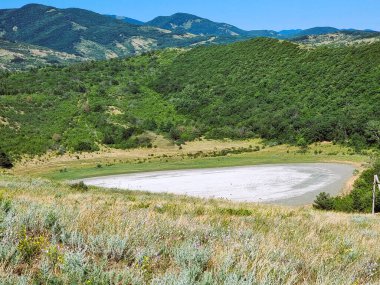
(266, 88)
(279, 91)
(79, 107)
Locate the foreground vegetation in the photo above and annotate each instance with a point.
(55, 234)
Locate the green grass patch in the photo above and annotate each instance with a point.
(78, 172)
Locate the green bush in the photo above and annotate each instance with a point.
(29, 246)
(235, 212)
(5, 203)
(84, 146)
(5, 161)
(323, 202)
(79, 186)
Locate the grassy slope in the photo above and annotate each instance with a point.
(19, 56)
(51, 232)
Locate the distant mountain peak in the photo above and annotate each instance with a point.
(181, 14)
(31, 5)
(188, 23)
(34, 6)
(126, 20)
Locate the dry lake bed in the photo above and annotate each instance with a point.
(289, 184)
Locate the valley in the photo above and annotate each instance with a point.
(182, 150)
(228, 105)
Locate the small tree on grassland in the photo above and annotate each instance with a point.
(323, 202)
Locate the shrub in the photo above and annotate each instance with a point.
(56, 137)
(5, 203)
(8, 253)
(5, 161)
(116, 248)
(191, 255)
(54, 256)
(127, 133)
(84, 146)
(79, 186)
(74, 266)
(323, 202)
(235, 212)
(61, 150)
(108, 139)
(29, 247)
(51, 221)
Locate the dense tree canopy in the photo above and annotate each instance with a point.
(279, 91)
(79, 107)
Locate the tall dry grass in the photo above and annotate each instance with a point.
(53, 234)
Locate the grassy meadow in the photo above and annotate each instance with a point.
(197, 154)
(55, 234)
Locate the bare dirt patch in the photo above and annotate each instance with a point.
(114, 111)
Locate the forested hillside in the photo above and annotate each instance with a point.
(84, 33)
(260, 88)
(279, 91)
(81, 106)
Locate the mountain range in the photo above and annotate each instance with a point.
(84, 35)
(83, 32)
(188, 23)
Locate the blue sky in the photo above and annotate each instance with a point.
(246, 14)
